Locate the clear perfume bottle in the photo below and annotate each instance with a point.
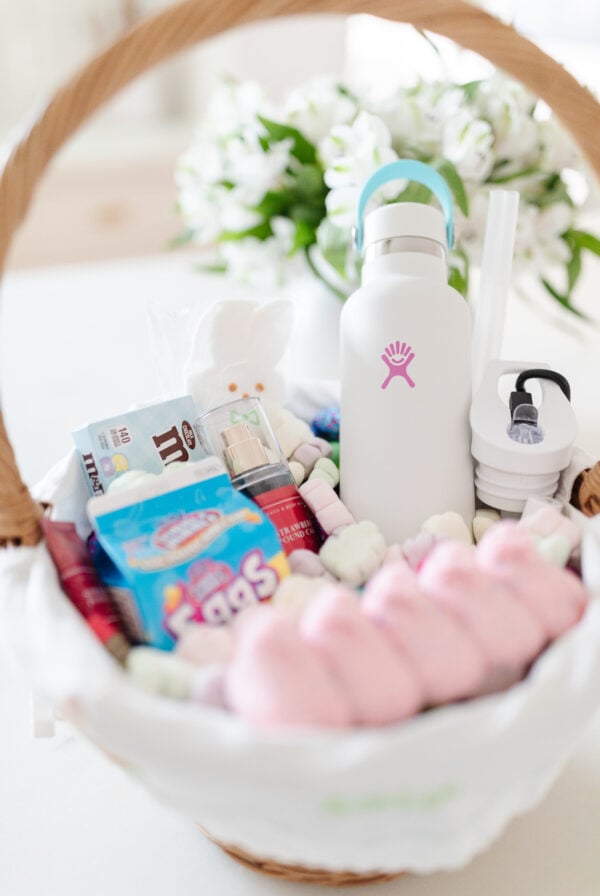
(240, 434)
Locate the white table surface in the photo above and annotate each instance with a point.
(74, 347)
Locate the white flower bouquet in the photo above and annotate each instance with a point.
(274, 190)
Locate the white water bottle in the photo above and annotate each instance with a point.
(405, 367)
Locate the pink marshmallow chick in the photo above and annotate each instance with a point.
(326, 506)
(555, 596)
(276, 679)
(508, 633)
(448, 662)
(204, 645)
(381, 686)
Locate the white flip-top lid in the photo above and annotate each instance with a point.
(412, 219)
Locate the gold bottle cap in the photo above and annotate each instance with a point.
(243, 451)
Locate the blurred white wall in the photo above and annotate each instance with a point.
(111, 192)
(42, 42)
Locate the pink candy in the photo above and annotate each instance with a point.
(310, 452)
(306, 563)
(204, 645)
(470, 620)
(277, 679)
(504, 629)
(446, 660)
(381, 686)
(416, 550)
(555, 596)
(326, 506)
(548, 520)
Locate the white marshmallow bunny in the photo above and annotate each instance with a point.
(235, 350)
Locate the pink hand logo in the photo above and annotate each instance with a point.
(397, 357)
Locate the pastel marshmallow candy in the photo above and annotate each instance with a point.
(447, 661)
(393, 554)
(326, 469)
(483, 520)
(160, 672)
(277, 679)
(353, 554)
(449, 524)
(207, 686)
(416, 550)
(549, 523)
(309, 453)
(507, 632)
(297, 471)
(555, 548)
(555, 596)
(330, 512)
(296, 592)
(306, 563)
(381, 686)
(205, 645)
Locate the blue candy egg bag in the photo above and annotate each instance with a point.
(191, 548)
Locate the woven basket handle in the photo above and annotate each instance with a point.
(183, 25)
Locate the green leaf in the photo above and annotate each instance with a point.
(342, 90)
(555, 193)
(430, 41)
(458, 274)
(217, 267)
(260, 232)
(309, 214)
(564, 301)
(414, 192)
(457, 281)
(333, 243)
(583, 240)
(337, 292)
(182, 239)
(302, 149)
(304, 235)
(309, 182)
(507, 178)
(455, 183)
(470, 88)
(574, 268)
(274, 203)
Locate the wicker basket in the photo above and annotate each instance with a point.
(178, 28)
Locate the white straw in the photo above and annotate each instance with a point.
(496, 268)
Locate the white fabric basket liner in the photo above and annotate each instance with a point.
(422, 795)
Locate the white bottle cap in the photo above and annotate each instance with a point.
(412, 219)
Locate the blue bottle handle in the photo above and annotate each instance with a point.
(407, 169)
